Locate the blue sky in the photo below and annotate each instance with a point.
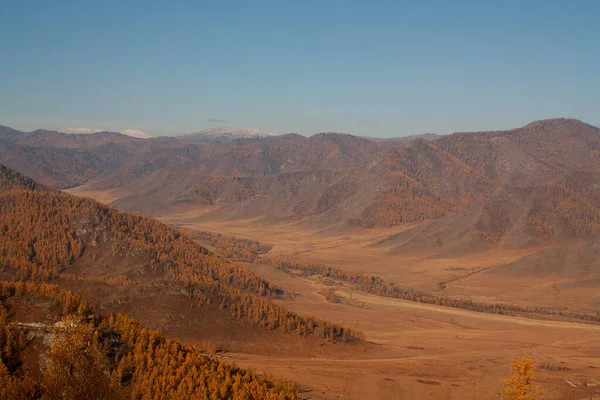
(377, 68)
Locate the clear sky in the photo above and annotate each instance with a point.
(377, 68)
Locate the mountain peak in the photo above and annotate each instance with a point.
(89, 131)
(135, 133)
(555, 122)
(226, 133)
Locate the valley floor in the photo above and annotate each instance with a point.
(415, 351)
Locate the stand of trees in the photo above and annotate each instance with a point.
(113, 357)
(378, 286)
(42, 231)
(242, 250)
(232, 247)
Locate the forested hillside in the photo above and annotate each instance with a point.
(47, 235)
(74, 354)
(331, 178)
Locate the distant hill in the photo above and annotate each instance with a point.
(225, 134)
(513, 218)
(405, 139)
(87, 131)
(330, 178)
(436, 178)
(63, 160)
(127, 263)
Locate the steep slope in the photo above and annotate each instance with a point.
(433, 179)
(341, 178)
(285, 177)
(530, 155)
(11, 179)
(537, 244)
(120, 261)
(8, 134)
(331, 178)
(516, 217)
(52, 346)
(53, 139)
(63, 160)
(424, 182)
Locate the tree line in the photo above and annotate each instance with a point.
(43, 231)
(378, 286)
(240, 250)
(97, 357)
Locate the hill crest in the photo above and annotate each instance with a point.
(330, 178)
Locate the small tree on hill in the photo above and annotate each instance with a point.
(521, 385)
(76, 367)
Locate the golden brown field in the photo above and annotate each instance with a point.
(416, 351)
(413, 350)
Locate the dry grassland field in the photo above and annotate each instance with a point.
(413, 350)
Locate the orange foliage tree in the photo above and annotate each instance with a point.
(521, 385)
(76, 366)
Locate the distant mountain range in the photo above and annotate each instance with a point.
(534, 187)
(404, 139)
(332, 178)
(225, 134)
(88, 131)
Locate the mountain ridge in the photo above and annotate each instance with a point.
(78, 243)
(328, 177)
(88, 131)
(224, 134)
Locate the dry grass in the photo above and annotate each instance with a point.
(415, 350)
